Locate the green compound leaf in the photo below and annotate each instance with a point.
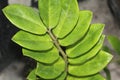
(91, 67)
(61, 39)
(87, 56)
(115, 42)
(50, 71)
(80, 29)
(50, 11)
(87, 43)
(47, 57)
(32, 75)
(93, 77)
(68, 18)
(25, 18)
(33, 42)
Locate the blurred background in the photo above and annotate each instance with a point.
(13, 64)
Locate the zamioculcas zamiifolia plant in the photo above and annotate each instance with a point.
(61, 39)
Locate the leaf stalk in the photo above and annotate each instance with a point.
(56, 43)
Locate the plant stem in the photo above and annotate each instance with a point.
(59, 48)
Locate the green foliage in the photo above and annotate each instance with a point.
(61, 39)
(115, 42)
(32, 75)
(24, 17)
(93, 77)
